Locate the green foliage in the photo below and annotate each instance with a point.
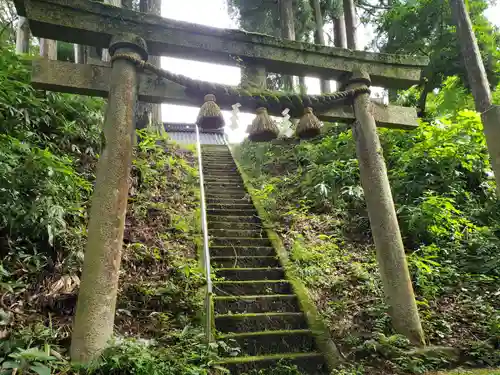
(187, 356)
(282, 368)
(425, 27)
(448, 213)
(29, 360)
(48, 142)
(49, 145)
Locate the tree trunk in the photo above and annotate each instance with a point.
(148, 114)
(350, 23)
(48, 48)
(105, 54)
(478, 81)
(23, 35)
(339, 37)
(287, 32)
(319, 38)
(79, 51)
(253, 76)
(302, 85)
(391, 258)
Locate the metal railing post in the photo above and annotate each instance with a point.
(206, 250)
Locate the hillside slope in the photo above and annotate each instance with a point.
(448, 213)
(49, 145)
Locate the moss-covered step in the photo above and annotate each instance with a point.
(219, 200)
(308, 363)
(240, 194)
(251, 287)
(232, 251)
(220, 161)
(245, 261)
(223, 185)
(232, 212)
(221, 168)
(257, 322)
(240, 241)
(233, 219)
(250, 273)
(247, 233)
(234, 225)
(223, 179)
(218, 173)
(273, 342)
(227, 193)
(236, 206)
(256, 304)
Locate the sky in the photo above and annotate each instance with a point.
(214, 13)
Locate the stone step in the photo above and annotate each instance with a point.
(240, 241)
(234, 225)
(256, 304)
(214, 167)
(233, 219)
(273, 342)
(230, 206)
(215, 200)
(307, 363)
(251, 287)
(245, 274)
(222, 185)
(244, 261)
(221, 171)
(223, 178)
(256, 322)
(207, 156)
(220, 163)
(247, 233)
(232, 212)
(238, 195)
(231, 251)
(215, 189)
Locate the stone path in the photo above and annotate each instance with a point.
(254, 304)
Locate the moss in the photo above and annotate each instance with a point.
(231, 298)
(258, 315)
(318, 328)
(263, 357)
(266, 333)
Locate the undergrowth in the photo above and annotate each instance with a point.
(49, 146)
(448, 213)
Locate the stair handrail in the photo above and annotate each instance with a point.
(206, 250)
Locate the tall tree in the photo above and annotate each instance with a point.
(350, 23)
(22, 35)
(117, 3)
(426, 27)
(319, 38)
(79, 51)
(478, 81)
(339, 37)
(48, 48)
(147, 113)
(287, 31)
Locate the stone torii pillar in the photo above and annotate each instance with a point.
(391, 256)
(95, 311)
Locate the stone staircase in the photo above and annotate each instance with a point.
(254, 304)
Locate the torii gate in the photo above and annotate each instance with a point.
(137, 34)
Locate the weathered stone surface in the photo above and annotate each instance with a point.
(93, 23)
(94, 80)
